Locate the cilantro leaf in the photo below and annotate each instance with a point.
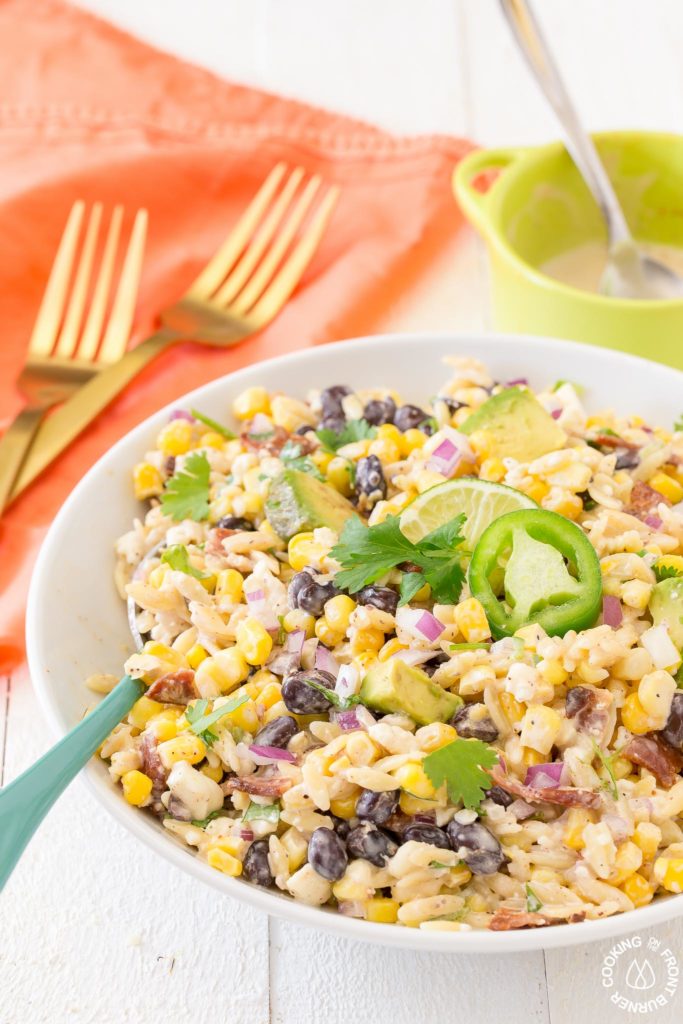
(354, 430)
(366, 553)
(292, 457)
(579, 388)
(341, 703)
(533, 904)
(205, 821)
(218, 427)
(177, 557)
(665, 572)
(469, 647)
(266, 812)
(606, 760)
(461, 765)
(200, 722)
(186, 495)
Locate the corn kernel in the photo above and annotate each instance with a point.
(432, 737)
(147, 481)
(245, 717)
(185, 747)
(388, 432)
(301, 550)
(514, 710)
(196, 655)
(338, 611)
(224, 862)
(412, 440)
(552, 671)
(270, 695)
(538, 490)
(157, 575)
(362, 750)
(164, 653)
(492, 469)
(211, 440)
(250, 402)
(368, 640)
(483, 442)
(276, 710)
(414, 780)
(423, 594)
(229, 584)
(299, 619)
(540, 728)
(214, 772)
(471, 620)
(141, 712)
(647, 836)
(392, 646)
(163, 726)
(655, 693)
(136, 787)
(345, 808)
(634, 716)
(531, 757)
(666, 485)
(323, 459)
(296, 846)
(577, 819)
(414, 805)
(328, 636)
(628, 859)
(254, 641)
(175, 438)
(638, 890)
(668, 871)
(381, 910)
(365, 659)
(349, 889)
(338, 474)
(670, 562)
(222, 672)
(386, 450)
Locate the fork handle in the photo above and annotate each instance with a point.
(25, 801)
(14, 445)
(60, 429)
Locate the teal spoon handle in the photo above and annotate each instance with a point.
(25, 801)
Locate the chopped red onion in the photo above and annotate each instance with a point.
(254, 596)
(346, 720)
(295, 642)
(269, 755)
(445, 458)
(612, 612)
(181, 414)
(618, 826)
(247, 835)
(556, 413)
(654, 522)
(429, 626)
(325, 661)
(412, 657)
(521, 809)
(351, 908)
(544, 776)
(518, 380)
(347, 681)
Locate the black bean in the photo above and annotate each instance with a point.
(334, 423)
(327, 854)
(431, 666)
(377, 807)
(309, 596)
(673, 730)
(371, 844)
(378, 412)
(277, 733)
(408, 417)
(450, 403)
(331, 401)
(478, 847)
(383, 598)
(234, 523)
(469, 727)
(576, 700)
(627, 460)
(341, 827)
(423, 833)
(304, 429)
(370, 480)
(256, 867)
(500, 796)
(302, 699)
(177, 809)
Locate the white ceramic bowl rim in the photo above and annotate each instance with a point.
(41, 593)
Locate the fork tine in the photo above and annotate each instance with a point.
(214, 272)
(289, 275)
(52, 306)
(250, 293)
(90, 338)
(237, 277)
(68, 335)
(121, 317)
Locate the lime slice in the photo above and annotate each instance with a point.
(481, 500)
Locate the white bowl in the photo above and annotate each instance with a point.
(76, 623)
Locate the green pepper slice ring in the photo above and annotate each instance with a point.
(536, 566)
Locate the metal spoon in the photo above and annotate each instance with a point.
(629, 274)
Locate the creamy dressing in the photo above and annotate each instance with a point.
(583, 266)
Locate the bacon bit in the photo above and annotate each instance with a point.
(565, 796)
(612, 441)
(174, 688)
(152, 766)
(505, 919)
(214, 542)
(258, 785)
(398, 822)
(644, 500)
(589, 707)
(655, 754)
(273, 443)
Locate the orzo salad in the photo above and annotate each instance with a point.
(418, 664)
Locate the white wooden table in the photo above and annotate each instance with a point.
(94, 928)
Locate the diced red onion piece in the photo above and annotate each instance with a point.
(347, 720)
(269, 755)
(654, 522)
(612, 612)
(445, 458)
(247, 835)
(544, 776)
(325, 661)
(295, 642)
(517, 381)
(521, 809)
(618, 826)
(181, 414)
(254, 596)
(351, 908)
(429, 626)
(556, 413)
(347, 681)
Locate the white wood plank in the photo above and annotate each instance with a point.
(316, 977)
(96, 929)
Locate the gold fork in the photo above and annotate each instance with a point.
(62, 356)
(242, 288)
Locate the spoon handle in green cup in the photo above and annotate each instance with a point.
(25, 801)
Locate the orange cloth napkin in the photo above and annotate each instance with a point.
(90, 112)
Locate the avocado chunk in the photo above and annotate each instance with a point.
(666, 605)
(393, 687)
(298, 502)
(518, 426)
